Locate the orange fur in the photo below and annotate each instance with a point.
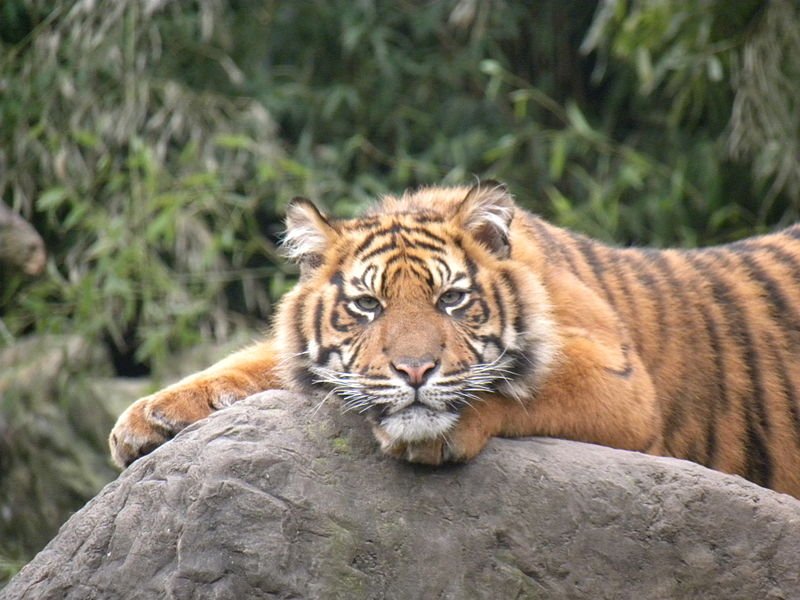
(512, 327)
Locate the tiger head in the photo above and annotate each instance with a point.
(413, 311)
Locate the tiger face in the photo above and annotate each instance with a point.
(409, 316)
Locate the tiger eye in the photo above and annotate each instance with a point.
(367, 303)
(451, 298)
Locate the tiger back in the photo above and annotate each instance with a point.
(718, 330)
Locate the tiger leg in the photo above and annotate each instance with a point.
(599, 392)
(154, 419)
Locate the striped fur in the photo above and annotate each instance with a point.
(449, 315)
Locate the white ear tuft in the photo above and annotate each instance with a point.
(308, 233)
(486, 211)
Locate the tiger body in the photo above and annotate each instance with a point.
(449, 315)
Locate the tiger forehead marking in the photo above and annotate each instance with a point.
(406, 249)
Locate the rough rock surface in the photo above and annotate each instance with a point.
(272, 499)
(21, 247)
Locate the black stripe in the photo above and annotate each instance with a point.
(318, 321)
(779, 305)
(620, 267)
(354, 350)
(781, 308)
(413, 258)
(759, 468)
(365, 243)
(385, 283)
(325, 353)
(519, 321)
(337, 279)
(373, 271)
(431, 236)
(501, 309)
(424, 218)
(390, 245)
(303, 378)
(426, 246)
(297, 320)
(476, 356)
(472, 268)
(627, 366)
(786, 385)
(367, 222)
(776, 252)
(674, 413)
(355, 315)
(392, 261)
(587, 249)
(643, 271)
(550, 243)
(477, 316)
(459, 275)
(445, 272)
(461, 371)
(718, 382)
(422, 273)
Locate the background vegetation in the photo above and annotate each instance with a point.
(154, 144)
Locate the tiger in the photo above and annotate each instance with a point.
(450, 315)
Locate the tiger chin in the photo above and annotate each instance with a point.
(449, 315)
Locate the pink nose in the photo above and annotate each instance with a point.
(414, 370)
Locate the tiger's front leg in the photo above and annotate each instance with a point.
(599, 392)
(154, 419)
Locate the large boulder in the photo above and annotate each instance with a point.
(58, 401)
(278, 497)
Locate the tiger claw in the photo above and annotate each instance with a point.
(136, 433)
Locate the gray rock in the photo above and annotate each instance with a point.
(274, 499)
(21, 246)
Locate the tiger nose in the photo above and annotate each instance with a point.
(414, 370)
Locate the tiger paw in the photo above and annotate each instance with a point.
(459, 445)
(153, 420)
(429, 452)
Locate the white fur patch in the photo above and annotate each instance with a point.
(418, 424)
(307, 230)
(490, 205)
(303, 240)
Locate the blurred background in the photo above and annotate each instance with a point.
(149, 147)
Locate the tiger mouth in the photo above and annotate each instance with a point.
(417, 423)
(409, 414)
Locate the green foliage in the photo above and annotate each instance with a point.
(726, 72)
(156, 143)
(146, 190)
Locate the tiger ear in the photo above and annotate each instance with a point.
(486, 212)
(308, 234)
